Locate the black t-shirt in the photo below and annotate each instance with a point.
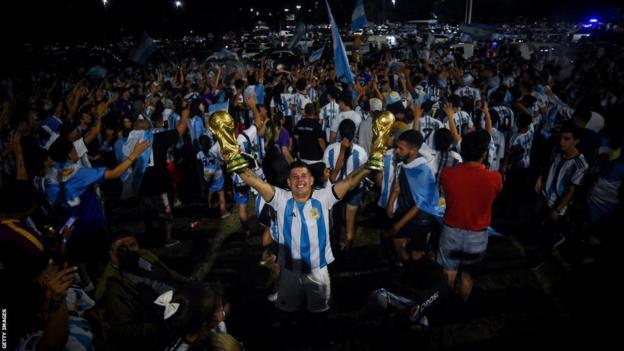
(156, 180)
(309, 132)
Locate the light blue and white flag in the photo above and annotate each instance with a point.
(341, 62)
(144, 49)
(218, 106)
(317, 54)
(299, 34)
(97, 71)
(358, 17)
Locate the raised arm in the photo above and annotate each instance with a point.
(450, 114)
(97, 127)
(263, 188)
(350, 182)
(418, 113)
(181, 127)
(488, 119)
(123, 166)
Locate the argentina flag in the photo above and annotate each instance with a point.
(358, 17)
(317, 54)
(299, 34)
(144, 49)
(343, 72)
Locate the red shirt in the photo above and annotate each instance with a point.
(470, 191)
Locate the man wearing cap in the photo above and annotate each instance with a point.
(365, 134)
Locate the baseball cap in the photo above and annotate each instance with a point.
(393, 97)
(375, 104)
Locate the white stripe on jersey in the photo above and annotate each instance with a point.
(357, 158)
(428, 126)
(303, 230)
(562, 173)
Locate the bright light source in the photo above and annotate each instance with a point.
(105, 2)
(178, 4)
(393, 2)
(286, 10)
(593, 20)
(257, 13)
(298, 7)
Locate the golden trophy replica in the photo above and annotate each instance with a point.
(221, 124)
(381, 133)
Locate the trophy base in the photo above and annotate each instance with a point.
(236, 163)
(374, 165)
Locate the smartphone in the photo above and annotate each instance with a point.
(70, 222)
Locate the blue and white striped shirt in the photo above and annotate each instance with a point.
(357, 158)
(563, 173)
(428, 126)
(387, 178)
(328, 115)
(524, 140)
(303, 230)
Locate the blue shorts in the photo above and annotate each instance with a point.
(353, 197)
(216, 184)
(241, 195)
(461, 248)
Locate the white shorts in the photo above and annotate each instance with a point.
(296, 288)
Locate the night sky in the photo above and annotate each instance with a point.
(70, 20)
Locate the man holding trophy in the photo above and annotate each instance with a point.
(302, 217)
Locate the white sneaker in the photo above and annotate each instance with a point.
(272, 297)
(177, 204)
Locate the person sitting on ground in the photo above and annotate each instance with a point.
(131, 281)
(196, 315)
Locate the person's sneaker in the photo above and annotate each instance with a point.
(225, 215)
(272, 297)
(172, 243)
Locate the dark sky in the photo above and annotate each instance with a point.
(69, 20)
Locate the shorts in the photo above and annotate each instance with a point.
(216, 183)
(418, 230)
(241, 195)
(158, 204)
(461, 248)
(313, 289)
(353, 197)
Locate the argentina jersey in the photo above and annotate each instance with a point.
(357, 158)
(428, 126)
(328, 116)
(388, 174)
(303, 230)
(563, 173)
(525, 142)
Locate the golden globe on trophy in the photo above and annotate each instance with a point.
(381, 133)
(221, 124)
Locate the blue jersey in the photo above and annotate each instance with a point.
(303, 230)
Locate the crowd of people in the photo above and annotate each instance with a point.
(469, 136)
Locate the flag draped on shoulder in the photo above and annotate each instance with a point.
(317, 54)
(144, 49)
(358, 17)
(341, 62)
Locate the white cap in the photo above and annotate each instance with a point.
(375, 104)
